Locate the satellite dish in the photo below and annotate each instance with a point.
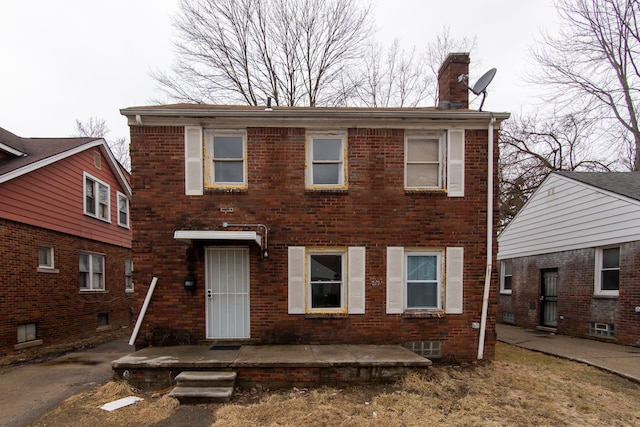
(481, 85)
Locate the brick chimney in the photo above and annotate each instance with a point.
(451, 93)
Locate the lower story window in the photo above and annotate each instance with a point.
(91, 272)
(423, 280)
(26, 332)
(327, 288)
(128, 275)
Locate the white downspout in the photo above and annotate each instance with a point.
(487, 277)
(134, 335)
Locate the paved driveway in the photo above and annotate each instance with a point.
(29, 391)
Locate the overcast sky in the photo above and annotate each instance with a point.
(64, 60)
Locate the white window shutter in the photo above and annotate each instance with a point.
(357, 283)
(193, 182)
(297, 282)
(455, 163)
(395, 280)
(454, 283)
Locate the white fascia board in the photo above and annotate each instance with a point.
(187, 236)
(49, 160)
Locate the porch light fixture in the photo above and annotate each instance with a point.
(190, 283)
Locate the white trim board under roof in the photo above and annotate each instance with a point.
(188, 236)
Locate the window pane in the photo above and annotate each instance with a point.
(84, 280)
(89, 202)
(97, 281)
(611, 258)
(97, 263)
(610, 280)
(423, 150)
(327, 149)
(229, 171)
(325, 295)
(44, 257)
(326, 268)
(422, 295)
(326, 173)
(128, 267)
(104, 194)
(422, 268)
(422, 175)
(507, 283)
(227, 147)
(84, 262)
(507, 268)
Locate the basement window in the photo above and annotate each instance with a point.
(26, 332)
(601, 329)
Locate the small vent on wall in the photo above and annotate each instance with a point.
(97, 160)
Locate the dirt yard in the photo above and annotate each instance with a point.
(520, 388)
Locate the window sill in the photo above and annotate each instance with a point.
(326, 315)
(93, 291)
(423, 314)
(27, 344)
(107, 220)
(505, 293)
(408, 191)
(48, 270)
(605, 296)
(241, 190)
(103, 328)
(336, 190)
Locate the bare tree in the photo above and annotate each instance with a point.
(593, 64)
(95, 127)
(292, 51)
(533, 146)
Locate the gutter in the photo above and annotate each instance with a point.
(487, 277)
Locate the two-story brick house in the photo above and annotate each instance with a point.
(297, 225)
(65, 246)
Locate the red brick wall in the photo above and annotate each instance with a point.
(577, 305)
(53, 300)
(375, 212)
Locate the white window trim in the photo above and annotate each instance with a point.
(343, 289)
(92, 287)
(96, 181)
(442, 144)
(123, 196)
(209, 168)
(343, 177)
(47, 268)
(598, 291)
(503, 275)
(128, 277)
(439, 279)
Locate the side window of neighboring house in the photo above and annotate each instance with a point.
(96, 198)
(46, 263)
(434, 160)
(326, 165)
(505, 277)
(128, 275)
(123, 210)
(326, 280)
(607, 274)
(91, 272)
(424, 281)
(225, 159)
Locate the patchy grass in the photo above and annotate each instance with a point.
(521, 388)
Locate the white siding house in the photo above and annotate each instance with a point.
(570, 259)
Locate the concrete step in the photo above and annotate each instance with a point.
(206, 379)
(202, 394)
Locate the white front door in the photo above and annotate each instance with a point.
(227, 292)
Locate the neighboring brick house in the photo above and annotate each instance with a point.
(65, 246)
(292, 225)
(570, 259)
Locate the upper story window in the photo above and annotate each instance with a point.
(505, 277)
(326, 165)
(226, 159)
(96, 198)
(424, 160)
(123, 210)
(607, 275)
(91, 272)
